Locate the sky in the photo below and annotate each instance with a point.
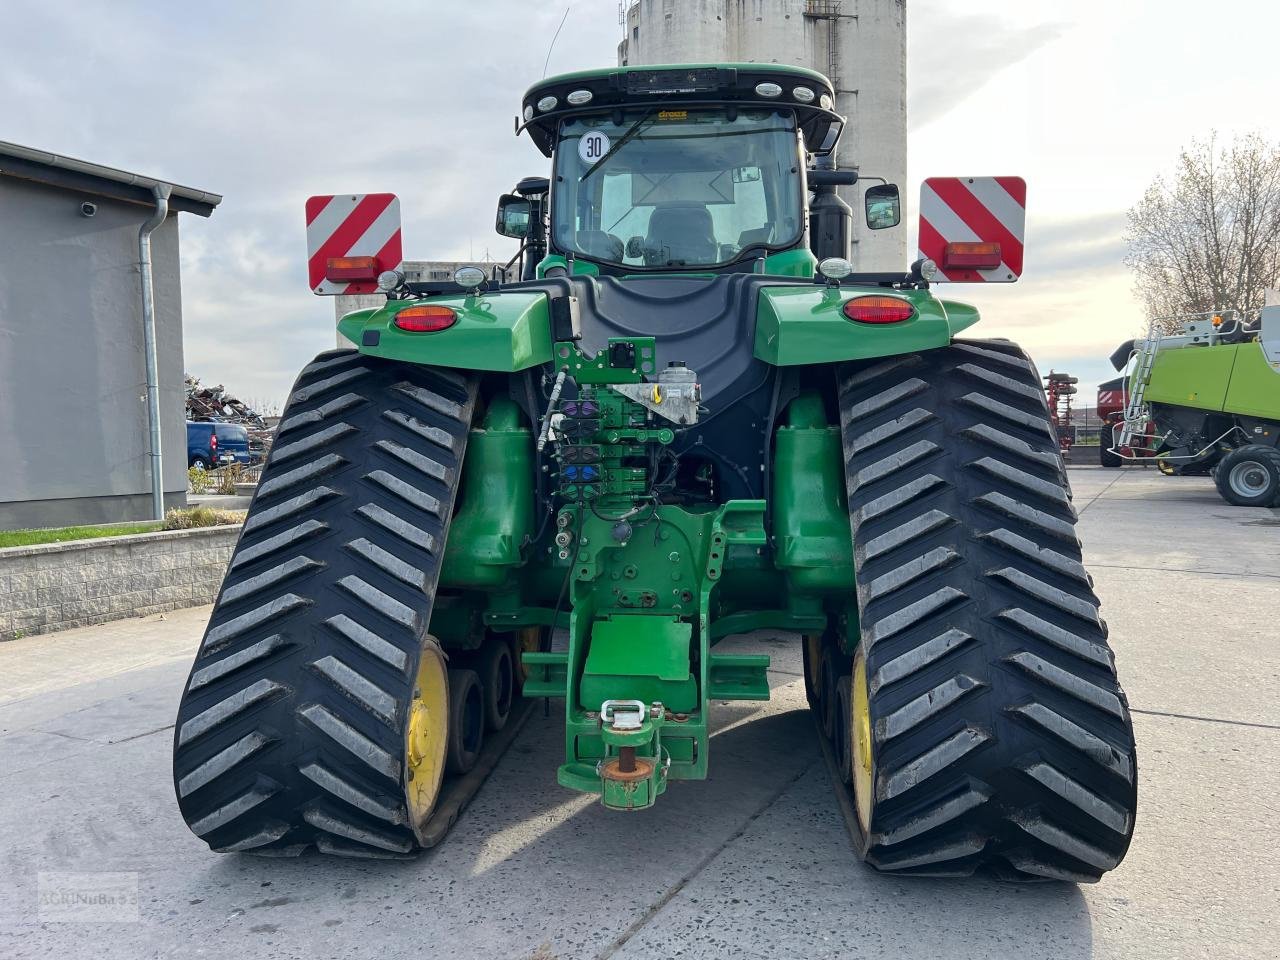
(269, 103)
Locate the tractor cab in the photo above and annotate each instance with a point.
(685, 170)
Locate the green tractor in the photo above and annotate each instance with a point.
(1206, 400)
(678, 416)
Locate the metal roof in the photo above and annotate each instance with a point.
(72, 174)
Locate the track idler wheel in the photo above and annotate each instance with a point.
(811, 651)
(466, 720)
(841, 743)
(496, 668)
(827, 697)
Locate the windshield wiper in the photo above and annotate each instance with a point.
(617, 145)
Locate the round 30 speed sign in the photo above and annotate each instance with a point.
(593, 146)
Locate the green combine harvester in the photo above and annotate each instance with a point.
(1206, 399)
(681, 417)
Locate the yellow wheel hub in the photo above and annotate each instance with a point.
(529, 640)
(860, 737)
(813, 642)
(426, 735)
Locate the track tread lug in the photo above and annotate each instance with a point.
(312, 442)
(258, 650)
(228, 707)
(322, 466)
(348, 792)
(321, 413)
(352, 740)
(925, 707)
(1069, 683)
(261, 791)
(331, 823)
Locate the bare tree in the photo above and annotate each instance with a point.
(1210, 238)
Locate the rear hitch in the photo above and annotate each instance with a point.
(634, 771)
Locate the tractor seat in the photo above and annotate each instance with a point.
(680, 232)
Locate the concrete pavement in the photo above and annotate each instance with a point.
(752, 863)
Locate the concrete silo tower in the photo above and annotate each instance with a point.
(859, 44)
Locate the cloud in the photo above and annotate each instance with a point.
(951, 55)
(1081, 245)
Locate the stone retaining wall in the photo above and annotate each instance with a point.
(56, 586)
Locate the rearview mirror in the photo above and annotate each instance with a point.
(883, 206)
(513, 216)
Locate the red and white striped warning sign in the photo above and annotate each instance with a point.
(346, 225)
(973, 227)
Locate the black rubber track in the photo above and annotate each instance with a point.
(1002, 739)
(291, 730)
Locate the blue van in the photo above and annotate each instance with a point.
(212, 445)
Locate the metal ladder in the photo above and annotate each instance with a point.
(1135, 414)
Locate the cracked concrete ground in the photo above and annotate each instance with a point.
(752, 863)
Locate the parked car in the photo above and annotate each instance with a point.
(212, 445)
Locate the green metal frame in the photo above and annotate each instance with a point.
(646, 603)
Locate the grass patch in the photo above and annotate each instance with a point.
(173, 520)
(27, 538)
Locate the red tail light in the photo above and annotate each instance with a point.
(213, 441)
(345, 269)
(877, 309)
(971, 256)
(427, 318)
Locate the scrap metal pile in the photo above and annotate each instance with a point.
(215, 404)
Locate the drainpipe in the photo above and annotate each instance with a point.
(161, 193)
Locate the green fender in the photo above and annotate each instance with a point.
(803, 325)
(502, 332)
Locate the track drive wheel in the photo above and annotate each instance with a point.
(987, 728)
(317, 708)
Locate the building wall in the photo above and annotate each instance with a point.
(73, 422)
(867, 62)
(57, 586)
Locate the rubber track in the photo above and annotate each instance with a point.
(1002, 738)
(290, 731)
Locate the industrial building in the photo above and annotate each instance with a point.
(76, 438)
(859, 44)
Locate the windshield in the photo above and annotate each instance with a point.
(677, 188)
